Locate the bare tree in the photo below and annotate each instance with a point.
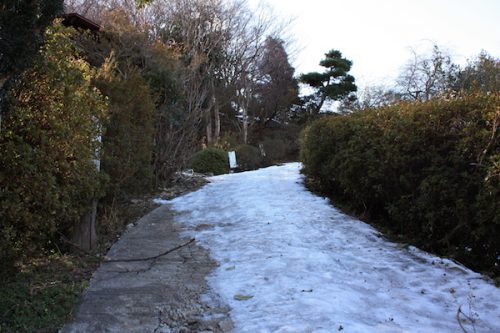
(202, 29)
(219, 42)
(426, 76)
(222, 42)
(141, 17)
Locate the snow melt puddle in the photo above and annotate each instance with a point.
(290, 262)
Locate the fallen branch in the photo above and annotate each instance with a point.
(154, 257)
(459, 311)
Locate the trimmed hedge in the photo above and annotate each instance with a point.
(248, 157)
(429, 171)
(210, 160)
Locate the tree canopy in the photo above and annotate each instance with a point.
(277, 88)
(21, 31)
(333, 84)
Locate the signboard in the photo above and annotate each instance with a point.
(232, 159)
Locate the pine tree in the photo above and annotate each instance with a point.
(333, 84)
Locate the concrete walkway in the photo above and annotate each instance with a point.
(160, 295)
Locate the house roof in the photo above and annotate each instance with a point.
(80, 22)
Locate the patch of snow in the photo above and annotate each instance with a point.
(160, 201)
(310, 268)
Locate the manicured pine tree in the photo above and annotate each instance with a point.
(333, 84)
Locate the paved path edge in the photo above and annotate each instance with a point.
(165, 295)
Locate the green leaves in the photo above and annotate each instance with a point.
(333, 84)
(314, 79)
(333, 60)
(48, 140)
(427, 170)
(23, 23)
(128, 142)
(210, 160)
(142, 3)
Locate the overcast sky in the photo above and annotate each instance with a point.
(377, 35)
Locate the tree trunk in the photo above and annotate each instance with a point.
(217, 123)
(209, 128)
(245, 126)
(319, 106)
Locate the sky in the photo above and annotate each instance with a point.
(378, 35)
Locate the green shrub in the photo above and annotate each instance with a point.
(228, 142)
(210, 160)
(429, 171)
(280, 144)
(127, 153)
(275, 150)
(248, 157)
(48, 140)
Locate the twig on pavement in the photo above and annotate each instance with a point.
(154, 257)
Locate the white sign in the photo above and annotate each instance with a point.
(232, 159)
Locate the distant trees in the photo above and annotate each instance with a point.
(204, 29)
(276, 89)
(222, 44)
(370, 97)
(481, 73)
(219, 47)
(425, 77)
(435, 74)
(333, 84)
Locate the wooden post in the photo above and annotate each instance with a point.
(84, 235)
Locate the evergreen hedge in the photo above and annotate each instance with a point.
(127, 154)
(210, 160)
(48, 141)
(275, 150)
(248, 157)
(429, 171)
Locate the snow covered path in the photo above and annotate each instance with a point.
(290, 262)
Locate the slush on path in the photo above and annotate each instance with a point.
(290, 262)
